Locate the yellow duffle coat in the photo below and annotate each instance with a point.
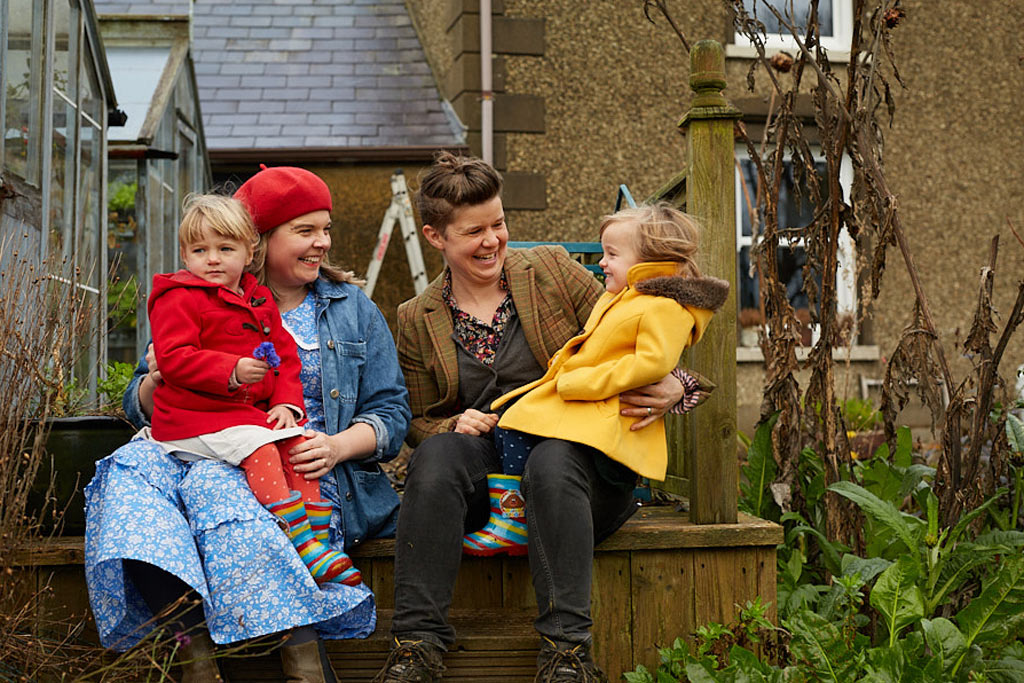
(632, 338)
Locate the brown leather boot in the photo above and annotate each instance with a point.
(197, 660)
(307, 663)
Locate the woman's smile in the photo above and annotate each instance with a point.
(474, 242)
(296, 250)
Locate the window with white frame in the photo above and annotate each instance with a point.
(795, 210)
(835, 21)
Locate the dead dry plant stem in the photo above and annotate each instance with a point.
(805, 55)
(660, 6)
(43, 319)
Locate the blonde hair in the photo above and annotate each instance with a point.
(225, 216)
(663, 233)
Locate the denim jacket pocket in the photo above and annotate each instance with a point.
(370, 509)
(352, 358)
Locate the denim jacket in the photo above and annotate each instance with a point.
(362, 382)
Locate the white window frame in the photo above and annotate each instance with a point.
(846, 274)
(838, 45)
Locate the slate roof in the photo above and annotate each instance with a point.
(286, 74)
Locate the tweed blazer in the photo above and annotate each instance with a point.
(553, 296)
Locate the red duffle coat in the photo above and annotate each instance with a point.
(200, 330)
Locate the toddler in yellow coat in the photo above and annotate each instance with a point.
(656, 305)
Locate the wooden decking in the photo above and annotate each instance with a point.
(657, 578)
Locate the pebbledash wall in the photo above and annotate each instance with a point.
(588, 95)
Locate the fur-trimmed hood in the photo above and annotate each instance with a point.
(703, 292)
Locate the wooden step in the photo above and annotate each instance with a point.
(492, 645)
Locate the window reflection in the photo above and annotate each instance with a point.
(795, 210)
(800, 11)
(21, 66)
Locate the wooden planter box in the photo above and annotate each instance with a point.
(657, 578)
(73, 445)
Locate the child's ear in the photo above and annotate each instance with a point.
(433, 237)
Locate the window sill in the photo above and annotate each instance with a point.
(855, 354)
(750, 52)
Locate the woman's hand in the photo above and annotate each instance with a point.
(148, 384)
(281, 416)
(476, 423)
(319, 453)
(154, 373)
(650, 402)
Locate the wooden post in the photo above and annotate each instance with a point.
(710, 189)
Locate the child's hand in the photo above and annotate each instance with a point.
(250, 370)
(282, 415)
(476, 423)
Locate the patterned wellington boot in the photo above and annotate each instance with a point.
(324, 564)
(319, 520)
(505, 531)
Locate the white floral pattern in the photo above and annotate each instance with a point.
(189, 517)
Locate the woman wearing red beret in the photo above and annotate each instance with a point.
(158, 528)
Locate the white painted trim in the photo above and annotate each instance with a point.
(748, 51)
(855, 354)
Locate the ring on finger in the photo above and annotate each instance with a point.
(649, 411)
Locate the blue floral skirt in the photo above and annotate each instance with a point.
(199, 522)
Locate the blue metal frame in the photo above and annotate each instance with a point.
(573, 248)
(624, 194)
(584, 247)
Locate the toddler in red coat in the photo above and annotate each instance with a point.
(230, 370)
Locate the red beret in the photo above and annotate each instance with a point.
(278, 194)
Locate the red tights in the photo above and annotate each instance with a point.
(272, 478)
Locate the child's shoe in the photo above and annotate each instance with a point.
(324, 564)
(505, 531)
(320, 520)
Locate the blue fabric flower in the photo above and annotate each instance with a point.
(266, 352)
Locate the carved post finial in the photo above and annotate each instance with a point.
(707, 80)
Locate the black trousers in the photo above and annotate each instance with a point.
(569, 508)
(160, 589)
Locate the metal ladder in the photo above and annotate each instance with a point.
(399, 211)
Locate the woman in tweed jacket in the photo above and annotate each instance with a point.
(455, 365)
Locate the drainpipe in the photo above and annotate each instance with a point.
(486, 96)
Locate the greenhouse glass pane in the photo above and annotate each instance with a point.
(21, 66)
(62, 178)
(65, 49)
(123, 253)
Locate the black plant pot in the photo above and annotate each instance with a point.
(73, 446)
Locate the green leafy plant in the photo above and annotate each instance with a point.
(926, 601)
(860, 415)
(122, 196)
(1015, 439)
(117, 375)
